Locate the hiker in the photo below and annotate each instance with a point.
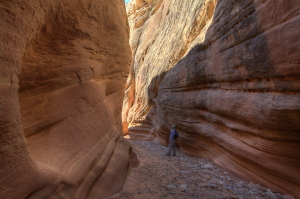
(172, 141)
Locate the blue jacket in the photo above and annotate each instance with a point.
(172, 134)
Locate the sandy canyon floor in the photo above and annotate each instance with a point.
(185, 177)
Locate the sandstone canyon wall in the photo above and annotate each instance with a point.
(227, 74)
(63, 69)
(161, 33)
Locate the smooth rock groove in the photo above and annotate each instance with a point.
(227, 74)
(63, 69)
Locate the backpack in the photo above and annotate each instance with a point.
(176, 135)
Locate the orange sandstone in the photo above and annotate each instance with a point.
(227, 74)
(64, 66)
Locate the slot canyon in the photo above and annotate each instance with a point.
(227, 74)
(64, 66)
(77, 76)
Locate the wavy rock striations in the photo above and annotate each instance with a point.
(158, 40)
(234, 93)
(64, 65)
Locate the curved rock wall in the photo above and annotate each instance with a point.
(234, 94)
(64, 65)
(158, 41)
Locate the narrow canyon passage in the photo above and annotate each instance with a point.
(183, 176)
(76, 76)
(227, 74)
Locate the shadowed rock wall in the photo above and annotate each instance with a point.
(234, 95)
(161, 32)
(63, 68)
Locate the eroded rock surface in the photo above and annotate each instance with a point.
(63, 68)
(162, 31)
(234, 93)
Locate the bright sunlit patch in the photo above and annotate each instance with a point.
(127, 136)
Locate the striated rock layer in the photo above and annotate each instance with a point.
(63, 68)
(161, 32)
(234, 93)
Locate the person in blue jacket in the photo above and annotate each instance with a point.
(172, 142)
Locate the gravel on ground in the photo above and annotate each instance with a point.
(184, 177)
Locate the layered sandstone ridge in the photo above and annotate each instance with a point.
(64, 66)
(161, 32)
(234, 94)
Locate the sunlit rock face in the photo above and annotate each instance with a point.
(63, 69)
(233, 92)
(161, 32)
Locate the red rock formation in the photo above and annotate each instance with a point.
(158, 41)
(63, 70)
(234, 95)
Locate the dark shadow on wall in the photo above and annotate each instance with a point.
(225, 40)
(140, 123)
(218, 96)
(145, 130)
(244, 59)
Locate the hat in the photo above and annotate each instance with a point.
(173, 126)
